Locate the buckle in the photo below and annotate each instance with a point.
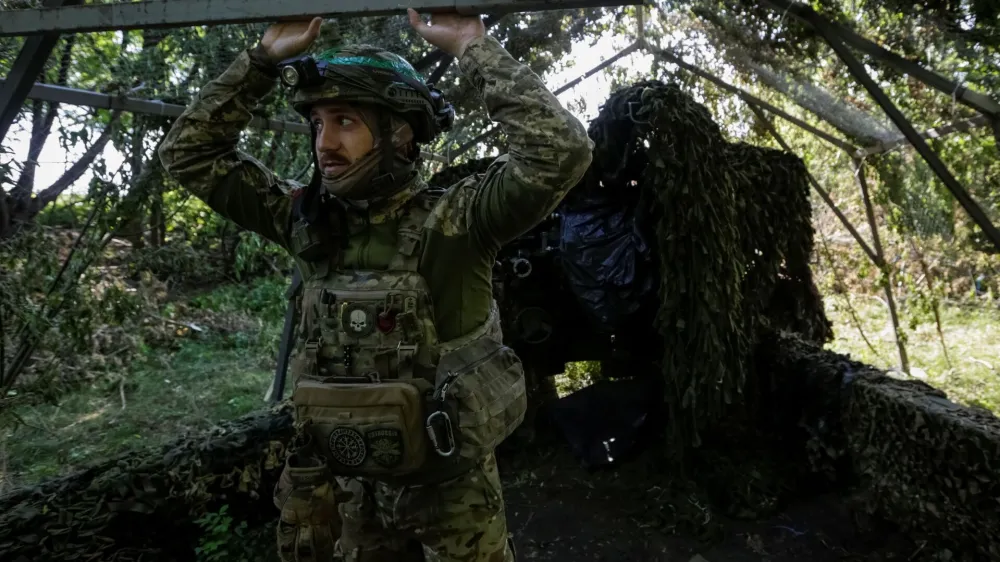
(312, 347)
(407, 350)
(448, 433)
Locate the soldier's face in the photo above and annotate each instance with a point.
(342, 137)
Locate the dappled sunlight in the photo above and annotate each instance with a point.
(87, 417)
(968, 373)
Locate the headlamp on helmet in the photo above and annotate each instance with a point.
(300, 72)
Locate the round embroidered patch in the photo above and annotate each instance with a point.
(357, 320)
(347, 446)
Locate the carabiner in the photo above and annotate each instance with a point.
(448, 433)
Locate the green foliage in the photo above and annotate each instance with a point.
(222, 541)
(968, 372)
(256, 256)
(178, 262)
(578, 374)
(265, 299)
(161, 394)
(70, 212)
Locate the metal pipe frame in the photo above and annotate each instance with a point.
(980, 102)
(608, 62)
(72, 96)
(937, 133)
(750, 98)
(859, 174)
(903, 124)
(819, 189)
(28, 65)
(181, 13)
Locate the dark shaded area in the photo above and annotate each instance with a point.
(143, 504)
(560, 512)
(607, 422)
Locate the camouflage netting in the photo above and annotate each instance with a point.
(734, 235)
(143, 505)
(911, 456)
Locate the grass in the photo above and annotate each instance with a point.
(164, 397)
(968, 373)
(207, 380)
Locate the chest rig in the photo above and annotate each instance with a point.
(375, 391)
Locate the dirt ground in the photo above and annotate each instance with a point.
(561, 512)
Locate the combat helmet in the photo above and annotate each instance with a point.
(367, 74)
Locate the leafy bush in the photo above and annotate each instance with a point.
(222, 541)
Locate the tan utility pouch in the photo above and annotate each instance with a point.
(481, 384)
(366, 429)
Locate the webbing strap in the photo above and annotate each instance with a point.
(409, 236)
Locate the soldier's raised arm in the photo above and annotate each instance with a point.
(200, 150)
(549, 147)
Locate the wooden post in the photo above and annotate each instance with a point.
(859, 174)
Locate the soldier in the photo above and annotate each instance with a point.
(402, 387)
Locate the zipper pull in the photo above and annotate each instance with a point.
(440, 391)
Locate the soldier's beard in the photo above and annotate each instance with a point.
(362, 180)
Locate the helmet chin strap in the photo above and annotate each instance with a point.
(385, 180)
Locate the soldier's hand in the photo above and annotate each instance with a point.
(451, 33)
(286, 40)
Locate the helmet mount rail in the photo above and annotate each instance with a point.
(394, 87)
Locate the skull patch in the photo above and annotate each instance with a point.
(357, 320)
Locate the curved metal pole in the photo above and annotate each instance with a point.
(750, 98)
(859, 175)
(980, 102)
(182, 13)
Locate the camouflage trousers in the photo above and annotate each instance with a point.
(458, 520)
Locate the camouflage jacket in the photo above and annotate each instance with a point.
(549, 153)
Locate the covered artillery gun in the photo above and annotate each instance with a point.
(682, 261)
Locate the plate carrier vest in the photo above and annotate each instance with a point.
(373, 389)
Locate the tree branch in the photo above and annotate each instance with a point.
(76, 170)
(5, 223)
(26, 180)
(272, 154)
(41, 127)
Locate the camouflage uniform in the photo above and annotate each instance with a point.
(453, 517)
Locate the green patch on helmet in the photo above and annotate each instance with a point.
(370, 75)
(388, 61)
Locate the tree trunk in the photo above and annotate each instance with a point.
(25, 211)
(41, 126)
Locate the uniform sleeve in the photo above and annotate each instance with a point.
(549, 147)
(200, 153)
